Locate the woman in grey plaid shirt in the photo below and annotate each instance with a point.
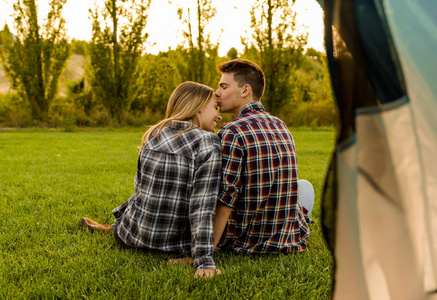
(177, 182)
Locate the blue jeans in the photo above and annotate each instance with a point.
(118, 239)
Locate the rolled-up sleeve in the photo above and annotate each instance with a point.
(203, 201)
(232, 163)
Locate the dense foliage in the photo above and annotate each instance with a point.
(114, 54)
(120, 84)
(200, 55)
(278, 48)
(35, 57)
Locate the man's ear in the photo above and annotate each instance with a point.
(247, 89)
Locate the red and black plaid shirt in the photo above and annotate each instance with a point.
(260, 183)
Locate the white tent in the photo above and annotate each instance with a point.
(379, 208)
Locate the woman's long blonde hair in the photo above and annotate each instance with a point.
(184, 103)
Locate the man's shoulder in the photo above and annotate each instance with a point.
(244, 120)
(251, 120)
(235, 127)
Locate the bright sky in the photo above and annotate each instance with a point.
(229, 24)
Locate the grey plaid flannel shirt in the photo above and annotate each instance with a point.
(176, 189)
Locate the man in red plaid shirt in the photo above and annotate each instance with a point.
(258, 209)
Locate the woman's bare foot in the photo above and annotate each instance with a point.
(91, 225)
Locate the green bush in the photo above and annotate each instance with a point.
(5, 108)
(14, 111)
(79, 47)
(65, 113)
(317, 114)
(142, 118)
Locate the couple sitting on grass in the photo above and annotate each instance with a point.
(197, 192)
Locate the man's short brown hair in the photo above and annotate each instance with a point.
(246, 72)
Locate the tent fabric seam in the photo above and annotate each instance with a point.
(384, 107)
(352, 140)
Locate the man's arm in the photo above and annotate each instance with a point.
(221, 218)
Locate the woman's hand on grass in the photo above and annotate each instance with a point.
(199, 273)
(207, 273)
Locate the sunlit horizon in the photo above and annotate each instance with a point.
(165, 30)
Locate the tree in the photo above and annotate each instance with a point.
(161, 77)
(35, 57)
(79, 47)
(278, 48)
(115, 51)
(202, 54)
(232, 54)
(311, 52)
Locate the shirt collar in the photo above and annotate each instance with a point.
(176, 124)
(252, 106)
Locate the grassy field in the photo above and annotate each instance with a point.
(50, 179)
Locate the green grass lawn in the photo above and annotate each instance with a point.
(50, 179)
